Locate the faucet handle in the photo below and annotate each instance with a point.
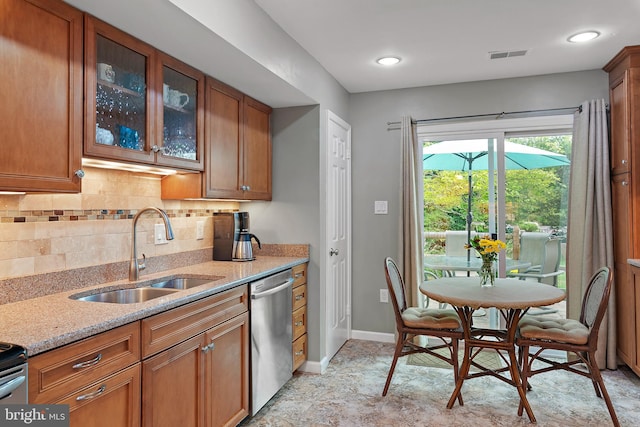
(142, 265)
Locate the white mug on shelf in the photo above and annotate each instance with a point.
(106, 72)
(178, 99)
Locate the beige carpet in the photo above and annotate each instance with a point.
(487, 358)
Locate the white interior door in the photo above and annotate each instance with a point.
(338, 233)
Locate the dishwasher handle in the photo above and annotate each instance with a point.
(273, 290)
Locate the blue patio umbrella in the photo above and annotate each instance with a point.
(469, 155)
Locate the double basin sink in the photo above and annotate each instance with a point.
(154, 289)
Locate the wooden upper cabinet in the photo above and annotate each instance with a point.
(238, 145)
(224, 133)
(256, 151)
(624, 96)
(41, 103)
(180, 114)
(142, 105)
(119, 101)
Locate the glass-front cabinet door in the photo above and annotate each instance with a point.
(142, 105)
(181, 115)
(119, 84)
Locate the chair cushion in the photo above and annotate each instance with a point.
(548, 329)
(431, 318)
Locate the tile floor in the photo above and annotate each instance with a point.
(349, 394)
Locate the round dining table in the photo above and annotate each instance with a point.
(512, 297)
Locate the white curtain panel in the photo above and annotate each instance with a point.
(412, 213)
(589, 242)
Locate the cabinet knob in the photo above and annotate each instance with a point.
(245, 188)
(299, 297)
(79, 173)
(156, 148)
(623, 161)
(624, 183)
(299, 324)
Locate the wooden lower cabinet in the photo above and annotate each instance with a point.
(629, 326)
(173, 386)
(203, 381)
(299, 319)
(227, 372)
(195, 370)
(118, 396)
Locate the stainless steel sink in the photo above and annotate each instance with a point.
(183, 282)
(126, 296)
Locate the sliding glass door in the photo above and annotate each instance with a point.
(509, 181)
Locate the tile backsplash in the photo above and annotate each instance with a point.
(42, 233)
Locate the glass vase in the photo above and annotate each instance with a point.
(486, 273)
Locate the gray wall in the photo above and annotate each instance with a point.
(293, 216)
(376, 160)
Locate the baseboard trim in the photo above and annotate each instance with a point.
(373, 336)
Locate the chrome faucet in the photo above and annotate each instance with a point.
(134, 265)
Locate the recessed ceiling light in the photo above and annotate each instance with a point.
(388, 60)
(584, 36)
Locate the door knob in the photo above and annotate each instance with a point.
(333, 252)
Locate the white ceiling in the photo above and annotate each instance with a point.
(448, 41)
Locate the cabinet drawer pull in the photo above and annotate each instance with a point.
(93, 394)
(88, 363)
(299, 353)
(298, 275)
(299, 323)
(299, 297)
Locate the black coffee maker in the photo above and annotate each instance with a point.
(232, 237)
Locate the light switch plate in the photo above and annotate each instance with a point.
(159, 235)
(380, 207)
(199, 230)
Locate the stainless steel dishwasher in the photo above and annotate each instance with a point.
(271, 332)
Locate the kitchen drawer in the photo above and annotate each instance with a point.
(299, 274)
(299, 322)
(115, 401)
(299, 297)
(299, 351)
(166, 329)
(59, 372)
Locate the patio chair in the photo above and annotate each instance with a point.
(412, 322)
(537, 334)
(454, 242)
(543, 252)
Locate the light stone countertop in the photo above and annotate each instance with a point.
(43, 323)
(634, 262)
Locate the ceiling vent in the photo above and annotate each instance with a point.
(507, 54)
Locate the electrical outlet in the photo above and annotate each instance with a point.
(199, 230)
(159, 234)
(384, 295)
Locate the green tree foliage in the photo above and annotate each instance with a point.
(537, 195)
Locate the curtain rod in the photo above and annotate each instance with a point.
(497, 115)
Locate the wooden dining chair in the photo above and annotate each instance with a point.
(537, 334)
(415, 321)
